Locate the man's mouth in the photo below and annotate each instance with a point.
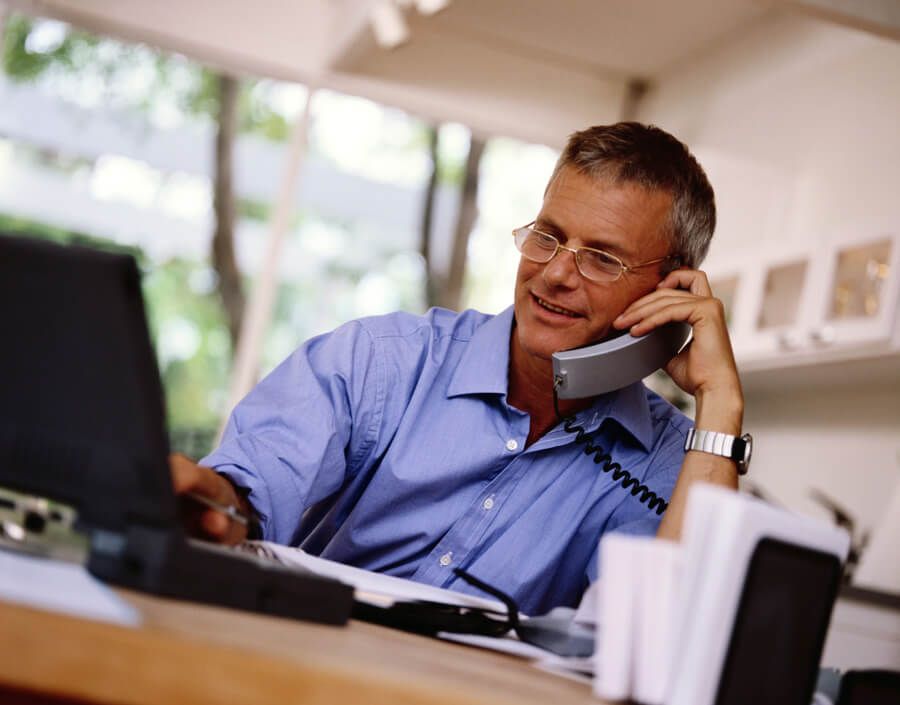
(555, 309)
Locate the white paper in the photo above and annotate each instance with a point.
(716, 568)
(577, 668)
(586, 614)
(613, 665)
(58, 586)
(656, 608)
(506, 645)
(377, 588)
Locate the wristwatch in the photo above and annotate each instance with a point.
(734, 448)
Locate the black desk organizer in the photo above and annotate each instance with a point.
(779, 632)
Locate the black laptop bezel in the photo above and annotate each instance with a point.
(82, 413)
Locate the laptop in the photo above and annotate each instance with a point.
(82, 422)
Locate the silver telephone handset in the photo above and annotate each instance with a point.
(613, 364)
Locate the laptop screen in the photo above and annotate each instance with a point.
(81, 403)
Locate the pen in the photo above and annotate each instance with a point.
(229, 511)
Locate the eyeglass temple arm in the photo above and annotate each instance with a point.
(627, 268)
(512, 609)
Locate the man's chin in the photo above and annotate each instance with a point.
(544, 349)
(541, 342)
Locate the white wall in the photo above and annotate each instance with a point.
(798, 123)
(845, 442)
(797, 116)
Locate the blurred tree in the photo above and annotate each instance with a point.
(223, 256)
(35, 49)
(450, 294)
(445, 289)
(431, 285)
(135, 77)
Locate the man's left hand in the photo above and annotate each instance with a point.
(706, 367)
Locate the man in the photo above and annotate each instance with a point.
(415, 444)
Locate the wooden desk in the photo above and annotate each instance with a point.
(187, 653)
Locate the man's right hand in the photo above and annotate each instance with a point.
(190, 478)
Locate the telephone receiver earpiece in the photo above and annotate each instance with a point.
(616, 363)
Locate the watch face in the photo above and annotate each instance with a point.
(748, 451)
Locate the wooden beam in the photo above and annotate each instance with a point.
(351, 35)
(258, 316)
(634, 94)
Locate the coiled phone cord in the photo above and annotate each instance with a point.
(604, 459)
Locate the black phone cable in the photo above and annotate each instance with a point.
(601, 457)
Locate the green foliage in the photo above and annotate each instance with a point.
(195, 378)
(80, 56)
(203, 96)
(252, 209)
(83, 57)
(31, 228)
(18, 63)
(259, 118)
(451, 173)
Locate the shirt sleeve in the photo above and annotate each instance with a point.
(303, 429)
(635, 518)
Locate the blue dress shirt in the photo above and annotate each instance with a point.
(389, 444)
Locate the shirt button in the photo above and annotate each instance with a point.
(512, 444)
(445, 559)
(488, 503)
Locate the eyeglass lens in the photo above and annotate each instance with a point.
(541, 247)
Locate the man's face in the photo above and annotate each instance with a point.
(627, 221)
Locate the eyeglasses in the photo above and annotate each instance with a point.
(594, 264)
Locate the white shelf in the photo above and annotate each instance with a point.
(788, 328)
(818, 371)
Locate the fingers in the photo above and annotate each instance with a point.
(689, 308)
(687, 289)
(692, 280)
(652, 301)
(184, 473)
(190, 478)
(693, 311)
(706, 365)
(215, 524)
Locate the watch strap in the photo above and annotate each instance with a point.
(736, 448)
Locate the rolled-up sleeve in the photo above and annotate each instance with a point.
(294, 439)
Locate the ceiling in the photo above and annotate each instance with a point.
(532, 69)
(611, 39)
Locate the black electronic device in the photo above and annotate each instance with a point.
(780, 625)
(82, 422)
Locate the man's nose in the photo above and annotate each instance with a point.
(562, 270)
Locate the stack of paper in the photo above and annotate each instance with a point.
(666, 612)
(636, 610)
(59, 586)
(373, 588)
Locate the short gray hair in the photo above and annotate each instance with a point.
(631, 152)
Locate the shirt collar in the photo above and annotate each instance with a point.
(629, 408)
(484, 369)
(484, 366)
